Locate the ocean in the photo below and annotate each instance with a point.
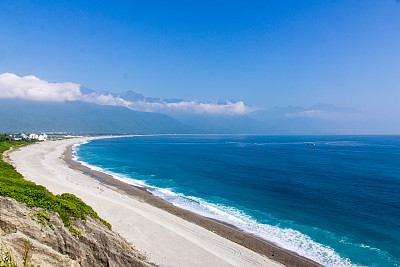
(332, 199)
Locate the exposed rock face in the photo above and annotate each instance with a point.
(52, 244)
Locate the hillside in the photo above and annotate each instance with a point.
(85, 118)
(38, 228)
(27, 235)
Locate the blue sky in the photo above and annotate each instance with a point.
(266, 53)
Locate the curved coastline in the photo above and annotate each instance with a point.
(230, 232)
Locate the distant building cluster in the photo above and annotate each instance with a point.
(40, 137)
(32, 136)
(49, 136)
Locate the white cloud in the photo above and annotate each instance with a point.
(323, 114)
(104, 99)
(229, 108)
(32, 88)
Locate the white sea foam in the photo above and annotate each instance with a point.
(284, 237)
(75, 149)
(287, 238)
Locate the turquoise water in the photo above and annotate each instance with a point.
(333, 199)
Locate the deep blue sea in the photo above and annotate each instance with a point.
(333, 199)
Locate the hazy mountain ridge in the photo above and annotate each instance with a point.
(320, 118)
(317, 119)
(69, 107)
(80, 117)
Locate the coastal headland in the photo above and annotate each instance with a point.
(166, 234)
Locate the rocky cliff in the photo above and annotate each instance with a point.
(40, 236)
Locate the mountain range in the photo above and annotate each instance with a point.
(19, 115)
(233, 117)
(92, 112)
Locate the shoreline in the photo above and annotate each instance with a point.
(138, 215)
(224, 230)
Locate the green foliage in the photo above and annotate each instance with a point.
(6, 257)
(6, 142)
(44, 219)
(75, 232)
(12, 184)
(27, 253)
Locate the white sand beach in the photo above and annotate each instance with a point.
(164, 238)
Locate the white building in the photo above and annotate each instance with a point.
(33, 136)
(42, 137)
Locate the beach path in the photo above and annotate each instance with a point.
(165, 239)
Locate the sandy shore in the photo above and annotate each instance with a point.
(167, 235)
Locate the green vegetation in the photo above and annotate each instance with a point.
(44, 219)
(75, 232)
(7, 142)
(12, 184)
(7, 258)
(26, 258)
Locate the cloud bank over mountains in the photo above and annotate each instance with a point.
(33, 88)
(215, 117)
(326, 112)
(227, 108)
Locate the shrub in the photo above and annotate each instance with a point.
(12, 184)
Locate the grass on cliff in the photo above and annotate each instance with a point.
(13, 185)
(7, 258)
